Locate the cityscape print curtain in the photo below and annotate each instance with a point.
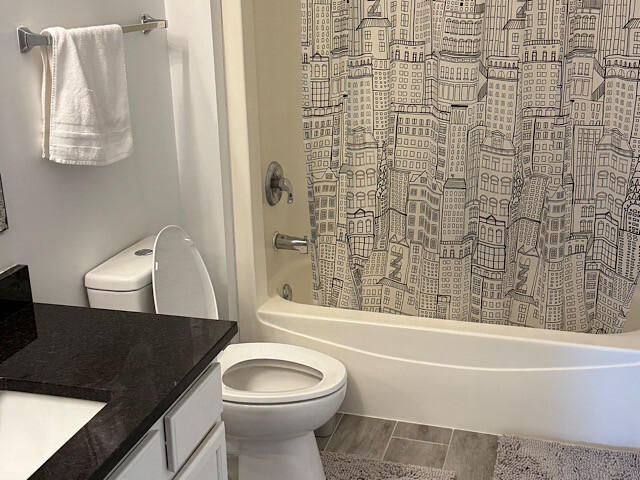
(3, 211)
(475, 160)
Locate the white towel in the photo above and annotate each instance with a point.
(85, 104)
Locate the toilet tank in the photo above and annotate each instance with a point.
(123, 282)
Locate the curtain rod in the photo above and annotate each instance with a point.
(27, 39)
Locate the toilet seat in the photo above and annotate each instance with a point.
(302, 362)
(181, 282)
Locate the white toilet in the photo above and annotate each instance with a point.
(274, 395)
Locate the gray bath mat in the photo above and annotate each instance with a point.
(339, 466)
(522, 458)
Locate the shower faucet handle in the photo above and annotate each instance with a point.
(275, 183)
(284, 185)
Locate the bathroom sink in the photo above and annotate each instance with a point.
(33, 427)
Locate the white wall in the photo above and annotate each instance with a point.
(278, 73)
(195, 52)
(262, 64)
(245, 169)
(64, 220)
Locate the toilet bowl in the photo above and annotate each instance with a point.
(274, 397)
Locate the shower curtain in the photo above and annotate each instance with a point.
(474, 160)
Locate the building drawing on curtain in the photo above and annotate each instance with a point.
(3, 211)
(475, 161)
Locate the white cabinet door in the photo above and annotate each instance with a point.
(145, 461)
(191, 417)
(209, 461)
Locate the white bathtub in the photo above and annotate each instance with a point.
(495, 379)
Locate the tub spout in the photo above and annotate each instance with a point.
(286, 242)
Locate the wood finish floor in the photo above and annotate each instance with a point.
(470, 455)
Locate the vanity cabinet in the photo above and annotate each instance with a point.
(187, 442)
(209, 461)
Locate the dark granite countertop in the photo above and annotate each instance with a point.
(137, 363)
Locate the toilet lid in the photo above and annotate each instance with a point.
(331, 373)
(181, 283)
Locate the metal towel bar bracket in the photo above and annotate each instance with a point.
(27, 39)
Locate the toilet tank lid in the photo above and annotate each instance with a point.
(125, 272)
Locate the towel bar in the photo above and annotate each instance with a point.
(27, 39)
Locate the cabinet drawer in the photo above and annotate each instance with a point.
(192, 417)
(145, 460)
(209, 461)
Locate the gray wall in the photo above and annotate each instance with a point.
(64, 220)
